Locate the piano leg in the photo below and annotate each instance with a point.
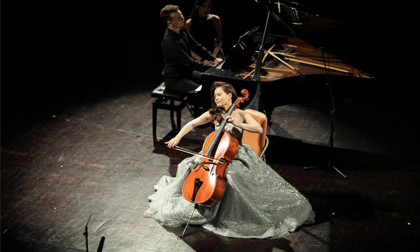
(330, 163)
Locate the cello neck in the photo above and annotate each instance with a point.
(220, 130)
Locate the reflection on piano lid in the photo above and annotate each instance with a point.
(301, 16)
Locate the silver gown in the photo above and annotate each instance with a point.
(257, 202)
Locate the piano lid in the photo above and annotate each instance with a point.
(345, 29)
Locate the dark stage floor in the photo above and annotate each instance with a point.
(64, 160)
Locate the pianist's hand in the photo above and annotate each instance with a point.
(215, 62)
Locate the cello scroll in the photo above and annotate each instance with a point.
(242, 99)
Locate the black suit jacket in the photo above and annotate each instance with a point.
(178, 62)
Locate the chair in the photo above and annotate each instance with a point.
(258, 142)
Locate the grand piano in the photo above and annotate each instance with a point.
(279, 69)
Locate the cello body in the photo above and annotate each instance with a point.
(205, 185)
(211, 174)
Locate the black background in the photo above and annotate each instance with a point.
(56, 50)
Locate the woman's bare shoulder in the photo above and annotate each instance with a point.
(215, 17)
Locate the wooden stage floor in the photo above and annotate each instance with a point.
(67, 159)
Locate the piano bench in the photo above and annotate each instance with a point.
(162, 96)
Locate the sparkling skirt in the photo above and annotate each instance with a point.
(257, 202)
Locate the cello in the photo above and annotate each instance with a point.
(205, 185)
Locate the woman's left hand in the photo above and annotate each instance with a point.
(230, 119)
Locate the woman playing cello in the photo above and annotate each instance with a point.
(257, 202)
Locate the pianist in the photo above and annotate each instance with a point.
(181, 71)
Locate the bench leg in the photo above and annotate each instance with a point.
(172, 115)
(154, 119)
(178, 119)
(196, 112)
(172, 108)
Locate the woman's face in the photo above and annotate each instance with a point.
(205, 9)
(221, 98)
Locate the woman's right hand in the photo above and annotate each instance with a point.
(201, 120)
(172, 143)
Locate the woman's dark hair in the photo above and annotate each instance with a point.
(216, 112)
(194, 11)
